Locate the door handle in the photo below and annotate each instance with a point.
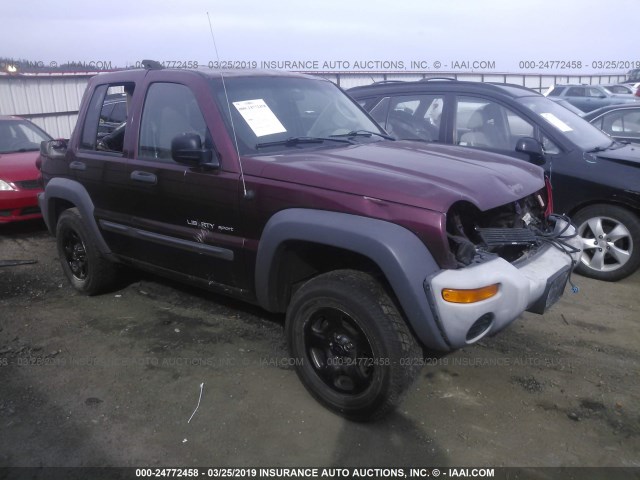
(76, 165)
(144, 177)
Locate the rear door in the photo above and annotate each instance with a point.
(623, 124)
(101, 170)
(578, 96)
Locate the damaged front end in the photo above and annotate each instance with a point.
(514, 231)
(513, 258)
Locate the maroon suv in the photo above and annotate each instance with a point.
(280, 190)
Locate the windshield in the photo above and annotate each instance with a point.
(579, 131)
(20, 136)
(279, 113)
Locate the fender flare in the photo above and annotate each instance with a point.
(73, 192)
(399, 253)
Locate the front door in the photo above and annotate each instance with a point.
(182, 219)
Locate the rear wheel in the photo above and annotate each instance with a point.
(83, 264)
(353, 350)
(611, 242)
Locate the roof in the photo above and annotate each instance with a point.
(10, 117)
(509, 89)
(592, 115)
(209, 72)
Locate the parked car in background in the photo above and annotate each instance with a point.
(619, 88)
(588, 97)
(633, 76)
(622, 122)
(19, 185)
(596, 181)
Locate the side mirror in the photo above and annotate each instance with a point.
(531, 147)
(187, 149)
(55, 149)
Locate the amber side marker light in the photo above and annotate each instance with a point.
(474, 295)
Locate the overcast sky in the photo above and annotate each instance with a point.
(502, 31)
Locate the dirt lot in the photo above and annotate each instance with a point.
(114, 379)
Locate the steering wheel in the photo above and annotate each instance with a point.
(404, 129)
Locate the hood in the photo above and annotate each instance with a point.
(618, 168)
(15, 167)
(628, 154)
(427, 176)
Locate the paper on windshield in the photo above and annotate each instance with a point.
(556, 122)
(259, 117)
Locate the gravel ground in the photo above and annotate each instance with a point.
(113, 380)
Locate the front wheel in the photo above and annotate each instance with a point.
(611, 242)
(354, 352)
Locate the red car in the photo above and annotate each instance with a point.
(19, 185)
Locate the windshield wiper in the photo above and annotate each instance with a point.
(363, 133)
(293, 141)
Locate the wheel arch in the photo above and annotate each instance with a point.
(63, 193)
(292, 237)
(631, 203)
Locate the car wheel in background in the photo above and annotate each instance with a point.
(611, 246)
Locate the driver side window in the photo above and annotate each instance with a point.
(170, 109)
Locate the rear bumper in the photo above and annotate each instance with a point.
(533, 285)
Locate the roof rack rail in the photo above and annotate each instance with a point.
(151, 65)
(389, 81)
(428, 79)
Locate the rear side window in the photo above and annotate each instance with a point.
(626, 123)
(575, 92)
(105, 123)
(119, 112)
(90, 128)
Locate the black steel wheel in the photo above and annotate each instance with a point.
(75, 254)
(354, 352)
(83, 264)
(339, 351)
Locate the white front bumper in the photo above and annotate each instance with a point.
(522, 286)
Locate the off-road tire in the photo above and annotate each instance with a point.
(341, 308)
(86, 268)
